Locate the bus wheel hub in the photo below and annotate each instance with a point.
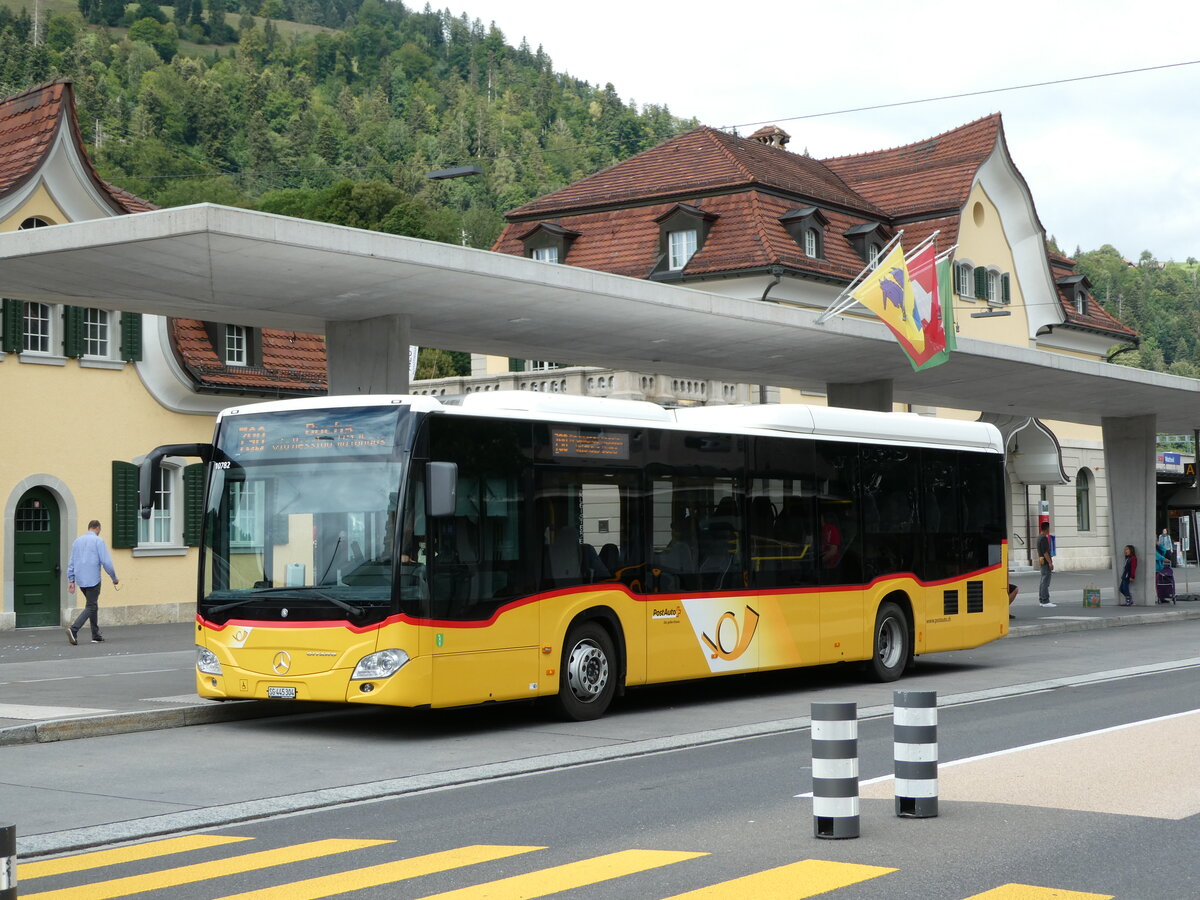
(587, 670)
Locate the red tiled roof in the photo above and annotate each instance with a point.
(701, 161)
(930, 175)
(1094, 316)
(29, 123)
(292, 362)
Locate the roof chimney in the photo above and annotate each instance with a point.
(772, 136)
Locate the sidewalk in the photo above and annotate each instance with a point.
(142, 677)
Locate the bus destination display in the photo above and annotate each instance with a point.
(343, 432)
(571, 443)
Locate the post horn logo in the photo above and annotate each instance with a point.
(728, 650)
(282, 663)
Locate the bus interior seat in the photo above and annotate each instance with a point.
(564, 557)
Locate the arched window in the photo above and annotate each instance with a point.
(1083, 500)
(34, 222)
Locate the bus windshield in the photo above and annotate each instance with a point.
(300, 517)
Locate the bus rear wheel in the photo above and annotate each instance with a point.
(892, 643)
(588, 676)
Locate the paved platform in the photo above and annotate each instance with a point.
(141, 678)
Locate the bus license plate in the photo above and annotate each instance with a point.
(275, 692)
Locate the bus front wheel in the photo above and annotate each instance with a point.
(892, 643)
(588, 676)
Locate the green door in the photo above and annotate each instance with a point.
(37, 569)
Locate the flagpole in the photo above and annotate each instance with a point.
(921, 246)
(833, 309)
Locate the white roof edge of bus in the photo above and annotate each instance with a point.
(854, 424)
(794, 418)
(414, 401)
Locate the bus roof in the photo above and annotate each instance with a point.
(780, 419)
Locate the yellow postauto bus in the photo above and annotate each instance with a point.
(419, 551)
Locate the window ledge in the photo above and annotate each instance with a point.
(98, 363)
(41, 359)
(163, 550)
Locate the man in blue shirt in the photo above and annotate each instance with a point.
(88, 554)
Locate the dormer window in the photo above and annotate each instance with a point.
(235, 351)
(868, 241)
(807, 228)
(682, 232)
(681, 247)
(235, 345)
(1075, 291)
(548, 243)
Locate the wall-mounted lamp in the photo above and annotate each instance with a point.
(991, 314)
(455, 172)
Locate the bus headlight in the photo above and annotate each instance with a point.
(383, 664)
(207, 662)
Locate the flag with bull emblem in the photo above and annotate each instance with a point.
(888, 292)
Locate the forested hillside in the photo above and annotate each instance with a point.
(338, 109)
(341, 125)
(1159, 300)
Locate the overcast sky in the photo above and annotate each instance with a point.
(1109, 160)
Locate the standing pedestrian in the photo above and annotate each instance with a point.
(1166, 546)
(89, 554)
(1128, 574)
(1046, 562)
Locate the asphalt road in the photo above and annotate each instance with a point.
(1039, 800)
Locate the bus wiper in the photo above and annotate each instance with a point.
(297, 593)
(300, 593)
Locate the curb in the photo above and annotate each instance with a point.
(1147, 618)
(149, 720)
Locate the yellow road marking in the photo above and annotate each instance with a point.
(153, 881)
(387, 873)
(572, 875)
(1033, 892)
(796, 881)
(82, 861)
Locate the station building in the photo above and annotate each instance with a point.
(88, 392)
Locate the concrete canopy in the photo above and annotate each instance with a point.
(236, 266)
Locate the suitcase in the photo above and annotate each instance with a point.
(1164, 584)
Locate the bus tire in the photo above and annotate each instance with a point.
(891, 642)
(588, 675)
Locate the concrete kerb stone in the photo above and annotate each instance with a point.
(148, 720)
(1041, 626)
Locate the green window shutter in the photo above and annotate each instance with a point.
(516, 365)
(14, 326)
(981, 283)
(73, 331)
(131, 337)
(1005, 289)
(193, 503)
(124, 504)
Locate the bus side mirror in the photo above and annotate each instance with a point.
(441, 488)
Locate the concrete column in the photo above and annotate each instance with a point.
(369, 356)
(1129, 455)
(876, 395)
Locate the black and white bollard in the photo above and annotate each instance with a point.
(916, 753)
(8, 862)
(835, 770)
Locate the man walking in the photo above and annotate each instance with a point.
(1046, 562)
(88, 554)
